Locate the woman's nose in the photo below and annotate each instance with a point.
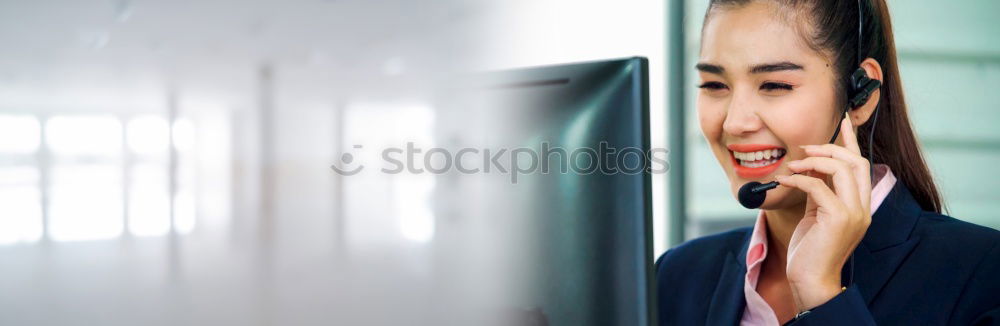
(741, 117)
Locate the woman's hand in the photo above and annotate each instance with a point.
(835, 220)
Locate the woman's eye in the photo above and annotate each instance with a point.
(712, 86)
(772, 86)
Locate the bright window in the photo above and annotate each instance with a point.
(20, 194)
(84, 135)
(20, 205)
(149, 200)
(378, 202)
(103, 175)
(86, 202)
(19, 134)
(86, 186)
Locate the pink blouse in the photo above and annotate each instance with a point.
(757, 311)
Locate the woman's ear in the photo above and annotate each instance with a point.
(861, 114)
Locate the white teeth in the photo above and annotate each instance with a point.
(757, 164)
(759, 158)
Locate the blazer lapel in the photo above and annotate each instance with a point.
(886, 243)
(728, 300)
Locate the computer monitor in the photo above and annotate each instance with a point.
(568, 246)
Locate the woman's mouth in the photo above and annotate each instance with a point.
(755, 161)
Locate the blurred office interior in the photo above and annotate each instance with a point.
(167, 162)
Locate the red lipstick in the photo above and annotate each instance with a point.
(759, 171)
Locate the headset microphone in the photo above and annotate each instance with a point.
(753, 193)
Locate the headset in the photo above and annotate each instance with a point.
(861, 87)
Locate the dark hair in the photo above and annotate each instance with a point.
(833, 29)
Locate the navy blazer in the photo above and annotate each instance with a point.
(913, 267)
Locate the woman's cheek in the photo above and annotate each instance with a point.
(711, 117)
(802, 118)
(801, 127)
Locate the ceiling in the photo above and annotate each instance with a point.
(127, 54)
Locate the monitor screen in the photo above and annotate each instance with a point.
(553, 193)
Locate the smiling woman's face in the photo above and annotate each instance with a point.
(764, 92)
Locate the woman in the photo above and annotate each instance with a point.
(854, 233)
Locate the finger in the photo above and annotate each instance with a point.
(844, 181)
(816, 189)
(859, 164)
(847, 135)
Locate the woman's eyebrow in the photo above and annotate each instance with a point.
(772, 67)
(709, 68)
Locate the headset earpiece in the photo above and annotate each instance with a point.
(862, 88)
